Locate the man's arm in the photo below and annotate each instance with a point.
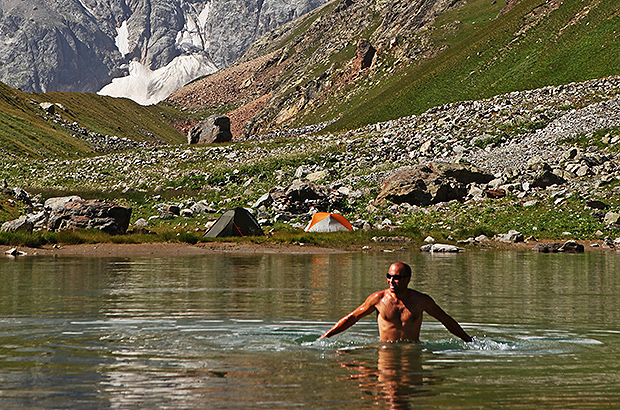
(452, 325)
(349, 320)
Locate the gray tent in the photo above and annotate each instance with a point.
(235, 222)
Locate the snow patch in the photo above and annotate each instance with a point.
(88, 9)
(191, 37)
(204, 14)
(147, 87)
(122, 39)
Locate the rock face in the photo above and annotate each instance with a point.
(18, 225)
(430, 184)
(216, 128)
(90, 214)
(80, 45)
(364, 54)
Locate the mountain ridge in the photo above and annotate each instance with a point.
(428, 53)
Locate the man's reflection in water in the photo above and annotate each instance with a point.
(395, 379)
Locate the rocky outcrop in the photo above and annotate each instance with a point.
(430, 184)
(21, 224)
(214, 129)
(364, 54)
(58, 45)
(90, 214)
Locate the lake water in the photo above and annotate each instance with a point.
(239, 332)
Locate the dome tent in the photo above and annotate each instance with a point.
(328, 222)
(235, 222)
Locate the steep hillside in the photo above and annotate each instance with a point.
(426, 53)
(71, 125)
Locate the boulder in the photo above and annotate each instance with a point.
(495, 193)
(547, 247)
(186, 213)
(611, 218)
(202, 207)
(538, 164)
(90, 214)
(596, 204)
(14, 252)
(318, 176)
(441, 248)
(141, 223)
(214, 129)
(21, 224)
(463, 173)
(265, 200)
(22, 196)
(568, 246)
(511, 237)
(430, 184)
(58, 203)
(547, 178)
(49, 107)
(572, 247)
(364, 54)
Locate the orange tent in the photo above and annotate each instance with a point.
(328, 222)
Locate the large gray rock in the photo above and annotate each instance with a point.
(364, 54)
(90, 214)
(441, 248)
(429, 184)
(547, 178)
(21, 224)
(511, 237)
(56, 204)
(216, 128)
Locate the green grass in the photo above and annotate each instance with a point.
(486, 59)
(27, 131)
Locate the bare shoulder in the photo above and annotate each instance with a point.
(376, 297)
(420, 298)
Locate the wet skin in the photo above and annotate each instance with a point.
(399, 311)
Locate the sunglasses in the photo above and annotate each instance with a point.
(395, 277)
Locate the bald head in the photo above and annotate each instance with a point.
(402, 268)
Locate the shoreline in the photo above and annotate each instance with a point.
(165, 249)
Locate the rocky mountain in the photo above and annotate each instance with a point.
(364, 61)
(150, 46)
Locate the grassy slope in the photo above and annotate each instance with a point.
(486, 59)
(24, 132)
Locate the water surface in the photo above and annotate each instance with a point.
(240, 332)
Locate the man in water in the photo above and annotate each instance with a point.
(399, 310)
